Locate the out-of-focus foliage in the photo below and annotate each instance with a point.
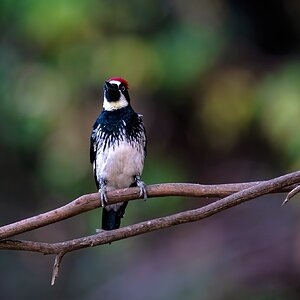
(218, 83)
(278, 100)
(227, 108)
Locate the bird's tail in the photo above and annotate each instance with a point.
(111, 218)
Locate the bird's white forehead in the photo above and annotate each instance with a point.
(115, 82)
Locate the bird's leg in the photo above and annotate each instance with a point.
(102, 191)
(141, 184)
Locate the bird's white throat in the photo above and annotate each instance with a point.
(122, 102)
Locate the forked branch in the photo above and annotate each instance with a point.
(235, 194)
(91, 201)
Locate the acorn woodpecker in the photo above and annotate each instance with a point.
(118, 149)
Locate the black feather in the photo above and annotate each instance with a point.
(109, 126)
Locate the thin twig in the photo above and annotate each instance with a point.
(56, 266)
(291, 194)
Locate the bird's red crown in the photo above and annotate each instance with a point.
(119, 79)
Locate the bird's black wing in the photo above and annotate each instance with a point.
(93, 148)
(93, 144)
(143, 133)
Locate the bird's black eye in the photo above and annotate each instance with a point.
(123, 88)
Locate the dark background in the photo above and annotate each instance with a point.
(218, 83)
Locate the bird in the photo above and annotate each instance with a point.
(118, 146)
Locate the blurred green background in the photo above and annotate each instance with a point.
(218, 83)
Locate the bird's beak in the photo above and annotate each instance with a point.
(109, 86)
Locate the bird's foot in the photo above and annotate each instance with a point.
(102, 191)
(141, 184)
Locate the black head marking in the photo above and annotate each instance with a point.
(111, 92)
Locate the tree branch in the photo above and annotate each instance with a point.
(92, 201)
(239, 193)
(105, 237)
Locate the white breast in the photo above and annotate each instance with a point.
(119, 165)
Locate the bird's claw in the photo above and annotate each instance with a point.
(103, 198)
(102, 191)
(141, 184)
(143, 192)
